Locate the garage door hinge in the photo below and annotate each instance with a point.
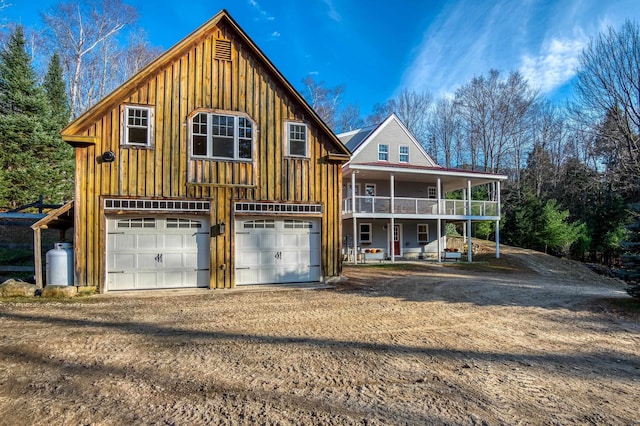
(243, 232)
(201, 269)
(314, 233)
(115, 233)
(115, 272)
(313, 266)
(241, 268)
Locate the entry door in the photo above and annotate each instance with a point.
(397, 236)
(271, 251)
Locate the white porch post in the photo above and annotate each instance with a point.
(439, 240)
(393, 222)
(469, 241)
(498, 221)
(353, 215)
(439, 210)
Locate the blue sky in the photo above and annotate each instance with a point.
(377, 48)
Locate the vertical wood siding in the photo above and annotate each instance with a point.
(195, 80)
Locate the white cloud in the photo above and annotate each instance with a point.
(556, 63)
(333, 13)
(261, 12)
(275, 34)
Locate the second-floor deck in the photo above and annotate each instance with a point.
(376, 206)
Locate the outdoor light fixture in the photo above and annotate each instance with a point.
(107, 157)
(218, 229)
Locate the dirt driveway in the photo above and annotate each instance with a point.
(526, 340)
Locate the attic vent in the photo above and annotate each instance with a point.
(223, 50)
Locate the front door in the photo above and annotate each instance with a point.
(397, 236)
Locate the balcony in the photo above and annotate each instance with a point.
(422, 207)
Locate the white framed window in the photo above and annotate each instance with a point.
(432, 192)
(423, 233)
(296, 139)
(137, 125)
(383, 152)
(403, 153)
(221, 136)
(365, 234)
(369, 191)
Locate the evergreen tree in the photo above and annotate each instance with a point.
(631, 258)
(55, 89)
(61, 156)
(27, 147)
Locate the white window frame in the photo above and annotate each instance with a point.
(240, 122)
(401, 154)
(384, 153)
(426, 231)
(361, 232)
(126, 126)
(432, 192)
(369, 196)
(288, 139)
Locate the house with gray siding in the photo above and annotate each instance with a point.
(397, 200)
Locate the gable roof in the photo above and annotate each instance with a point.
(356, 140)
(71, 133)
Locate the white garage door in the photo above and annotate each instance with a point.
(157, 252)
(277, 251)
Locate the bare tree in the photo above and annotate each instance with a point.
(81, 31)
(445, 129)
(608, 92)
(494, 113)
(328, 104)
(412, 108)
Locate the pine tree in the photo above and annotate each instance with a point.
(25, 135)
(61, 156)
(631, 258)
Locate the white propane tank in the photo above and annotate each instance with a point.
(60, 264)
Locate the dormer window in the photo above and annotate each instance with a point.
(137, 126)
(383, 152)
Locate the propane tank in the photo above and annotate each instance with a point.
(60, 264)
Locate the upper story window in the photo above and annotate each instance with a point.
(138, 126)
(222, 136)
(383, 152)
(296, 139)
(404, 154)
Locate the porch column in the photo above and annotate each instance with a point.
(393, 222)
(439, 211)
(498, 221)
(439, 245)
(353, 215)
(439, 195)
(469, 242)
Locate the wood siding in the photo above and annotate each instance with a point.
(193, 79)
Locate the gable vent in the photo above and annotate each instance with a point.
(223, 50)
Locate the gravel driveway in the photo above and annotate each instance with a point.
(528, 339)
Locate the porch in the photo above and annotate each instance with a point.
(369, 206)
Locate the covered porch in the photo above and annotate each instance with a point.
(410, 207)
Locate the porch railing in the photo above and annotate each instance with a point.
(418, 206)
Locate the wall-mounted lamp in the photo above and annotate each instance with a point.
(107, 157)
(218, 229)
